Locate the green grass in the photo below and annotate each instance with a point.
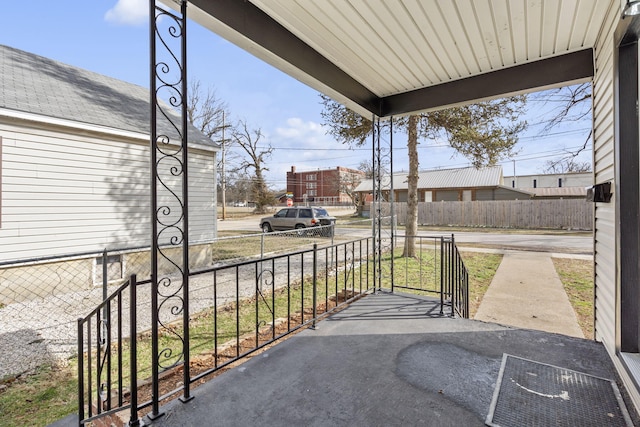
(577, 277)
(257, 243)
(423, 272)
(41, 398)
(482, 267)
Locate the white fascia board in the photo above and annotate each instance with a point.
(86, 127)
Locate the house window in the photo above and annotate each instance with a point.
(311, 177)
(311, 193)
(311, 185)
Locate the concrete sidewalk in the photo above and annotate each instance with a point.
(526, 292)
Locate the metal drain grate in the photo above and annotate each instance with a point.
(529, 393)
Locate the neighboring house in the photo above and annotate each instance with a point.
(326, 186)
(571, 185)
(550, 180)
(74, 151)
(461, 184)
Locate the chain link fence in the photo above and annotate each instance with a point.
(41, 300)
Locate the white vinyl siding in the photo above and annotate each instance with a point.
(603, 154)
(64, 193)
(606, 275)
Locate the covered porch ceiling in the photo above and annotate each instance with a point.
(394, 57)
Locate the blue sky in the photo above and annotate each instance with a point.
(111, 37)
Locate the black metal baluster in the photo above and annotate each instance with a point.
(81, 352)
(99, 364)
(288, 293)
(108, 350)
(215, 319)
(442, 275)
(326, 279)
(273, 300)
(237, 312)
(133, 346)
(120, 387)
(257, 302)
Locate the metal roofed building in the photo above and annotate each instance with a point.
(460, 184)
(570, 185)
(550, 180)
(557, 192)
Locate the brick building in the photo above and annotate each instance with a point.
(326, 187)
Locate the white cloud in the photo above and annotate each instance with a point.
(128, 12)
(303, 134)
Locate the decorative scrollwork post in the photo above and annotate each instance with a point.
(383, 237)
(169, 194)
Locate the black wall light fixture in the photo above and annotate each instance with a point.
(599, 193)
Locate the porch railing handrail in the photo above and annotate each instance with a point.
(452, 273)
(345, 269)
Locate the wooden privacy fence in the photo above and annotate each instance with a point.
(568, 214)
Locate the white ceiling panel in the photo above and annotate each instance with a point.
(401, 45)
(392, 47)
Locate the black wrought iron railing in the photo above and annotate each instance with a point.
(236, 310)
(107, 372)
(436, 268)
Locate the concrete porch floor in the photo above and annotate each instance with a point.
(387, 359)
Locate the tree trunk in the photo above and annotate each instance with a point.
(411, 228)
(259, 190)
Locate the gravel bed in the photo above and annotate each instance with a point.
(44, 331)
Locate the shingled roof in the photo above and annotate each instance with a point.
(37, 85)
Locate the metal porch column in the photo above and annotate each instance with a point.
(383, 221)
(169, 194)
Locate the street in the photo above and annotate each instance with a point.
(554, 241)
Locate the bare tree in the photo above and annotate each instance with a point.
(484, 133)
(566, 104)
(346, 183)
(206, 111)
(210, 115)
(569, 103)
(366, 166)
(249, 141)
(238, 185)
(566, 165)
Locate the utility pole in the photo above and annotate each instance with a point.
(224, 175)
